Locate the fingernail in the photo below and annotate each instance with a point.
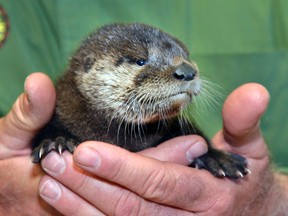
(88, 157)
(195, 151)
(54, 164)
(50, 190)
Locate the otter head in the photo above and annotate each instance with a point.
(135, 72)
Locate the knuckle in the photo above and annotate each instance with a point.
(160, 182)
(81, 184)
(79, 208)
(130, 204)
(165, 185)
(171, 187)
(127, 203)
(224, 206)
(116, 168)
(187, 189)
(73, 210)
(18, 115)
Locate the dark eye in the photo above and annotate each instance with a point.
(141, 62)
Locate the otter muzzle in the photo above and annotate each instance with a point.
(185, 72)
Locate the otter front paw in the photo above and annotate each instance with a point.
(58, 144)
(222, 164)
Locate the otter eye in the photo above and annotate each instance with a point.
(141, 62)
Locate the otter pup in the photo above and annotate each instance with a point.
(125, 85)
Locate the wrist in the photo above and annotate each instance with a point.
(279, 195)
(276, 202)
(272, 196)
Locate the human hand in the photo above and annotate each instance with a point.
(70, 202)
(19, 177)
(114, 181)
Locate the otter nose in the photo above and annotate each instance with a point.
(185, 72)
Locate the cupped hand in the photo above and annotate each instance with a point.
(31, 111)
(19, 177)
(109, 180)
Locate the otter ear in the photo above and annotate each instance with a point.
(88, 62)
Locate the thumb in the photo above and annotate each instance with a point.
(31, 111)
(241, 120)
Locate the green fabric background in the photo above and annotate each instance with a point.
(233, 42)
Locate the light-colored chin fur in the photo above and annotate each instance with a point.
(114, 91)
(175, 104)
(175, 100)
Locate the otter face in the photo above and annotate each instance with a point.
(137, 73)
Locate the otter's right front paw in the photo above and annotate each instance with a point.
(58, 144)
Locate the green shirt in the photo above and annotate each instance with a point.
(232, 43)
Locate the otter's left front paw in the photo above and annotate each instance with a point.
(222, 164)
(58, 144)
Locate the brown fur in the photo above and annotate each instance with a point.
(126, 84)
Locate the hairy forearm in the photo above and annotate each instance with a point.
(278, 197)
(270, 196)
(276, 200)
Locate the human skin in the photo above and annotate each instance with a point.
(112, 181)
(18, 176)
(116, 185)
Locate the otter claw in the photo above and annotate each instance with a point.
(238, 173)
(222, 173)
(60, 149)
(222, 164)
(248, 171)
(41, 152)
(58, 144)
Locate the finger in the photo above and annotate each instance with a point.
(19, 188)
(242, 135)
(181, 150)
(64, 200)
(161, 182)
(29, 113)
(241, 116)
(108, 197)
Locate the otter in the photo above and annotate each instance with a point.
(126, 85)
